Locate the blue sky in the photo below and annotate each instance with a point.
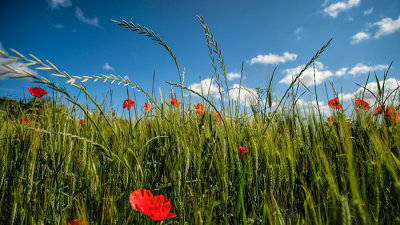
(80, 38)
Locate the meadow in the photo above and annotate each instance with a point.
(276, 162)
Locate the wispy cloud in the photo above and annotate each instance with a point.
(334, 9)
(390, 85)
(56, 4)
(81, 17)
(233, 76)
(298, 31)
(384, 27)
(204, 86)
(387, 26)
(108, 67)
(360, 36)
(341, 72)
(16, 65)
(273, 58)
(368, 11)
(321, 74)
(361, 68)
(59, 26)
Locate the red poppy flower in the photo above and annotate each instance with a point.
(128, 104)
(81, 122)
(78, 222)
(157, 208)
(362, 104)
(379, 110)
(329, 119)
(147, 107)
(216, 115)
(242, 150)
(175, 102)
(199, 108)
(334, 103)
(392, 114)
(24, 120)
(37, 91)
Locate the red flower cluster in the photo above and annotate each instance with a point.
(329, 119)
(147, 107)
(216, 115)
(392, 114)
(242, 150)
(81, 122)
(334, 103)
(37, 91)
(175, 102)
(157, 208)
(379, 110)
(361, 104)
(199, 108)
(128, 104)
(24, 120)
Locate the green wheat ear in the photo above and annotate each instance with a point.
(150, 33)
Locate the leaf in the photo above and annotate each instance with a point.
(216, 203)
(379, 87)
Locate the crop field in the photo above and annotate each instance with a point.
(204, 160)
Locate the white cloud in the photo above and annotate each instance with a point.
(246, 97)
(204, 86)
(313, 105)
(334, 9)
(16, 65)
(341, 72)
(55, 4)
(108, 67)
(59, 26)
(360, 36)
(79, 15)
(360, 68)
(321, 74)
(368, 11)
(298, 31)
(273, 59)
(387, 26)
(390, 85)
(233, 76)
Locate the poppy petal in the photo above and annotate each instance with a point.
(334, 103)
(157, 208)
(139, 199)
(160, 208)
(37, 91)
